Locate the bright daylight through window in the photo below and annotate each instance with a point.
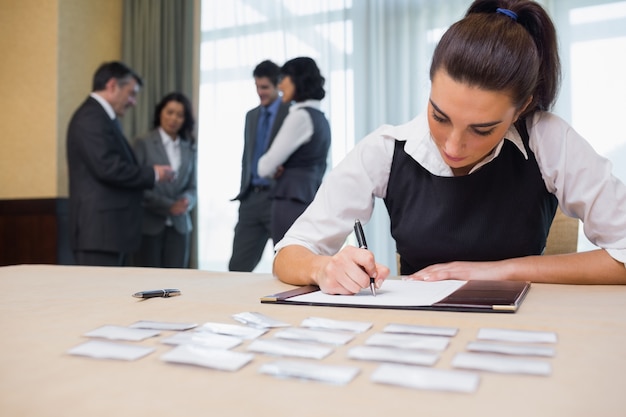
(375, 57)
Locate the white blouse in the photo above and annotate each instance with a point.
(580, 179)
(296, 130)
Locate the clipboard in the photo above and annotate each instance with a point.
(473, 296)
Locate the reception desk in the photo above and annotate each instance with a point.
(46, 310)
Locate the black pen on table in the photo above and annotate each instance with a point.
(165, 293)
(360, 238)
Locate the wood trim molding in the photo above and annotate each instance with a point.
(34, 231)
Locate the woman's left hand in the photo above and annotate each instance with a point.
(465, 271)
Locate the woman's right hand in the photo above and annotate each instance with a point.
(179, 207)
(349, 271)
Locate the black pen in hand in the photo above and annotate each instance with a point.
(360, 238)
(165, 293)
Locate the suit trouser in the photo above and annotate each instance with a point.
(284, 213)
(168, 249)
(99, 258)
(252, 231)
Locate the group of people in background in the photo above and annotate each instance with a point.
(132, 205)
(287, 139)
(471, 185)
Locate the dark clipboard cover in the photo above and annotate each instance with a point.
(473, 296)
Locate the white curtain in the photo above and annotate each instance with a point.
(375, 55)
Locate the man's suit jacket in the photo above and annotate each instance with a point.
(157, 201)
(252, 121)
(106, 183)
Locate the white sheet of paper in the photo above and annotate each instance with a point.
(162, 325)
(397, 293)
(206, 339)
(426, 378)
(333, 374)
(316, 335)
(501, 364)
(508, 349)
(333, 324)
(122, 333)
(417, 329)
(244, 332)
(280, 347)
(395, 355)
(224, 360)
(521, 336)
(408, 341)
(109, 350)
(258, 320)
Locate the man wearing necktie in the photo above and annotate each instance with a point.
(262, 123)
(261, 146)
(106, 182)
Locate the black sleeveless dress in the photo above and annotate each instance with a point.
(503, 210)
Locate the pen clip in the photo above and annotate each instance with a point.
(360, 235)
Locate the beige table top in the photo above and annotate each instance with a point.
(45, 310)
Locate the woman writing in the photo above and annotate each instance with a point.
(166, 227)
(297, 157)
(472, 185)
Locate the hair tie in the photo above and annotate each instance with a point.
(507, 12)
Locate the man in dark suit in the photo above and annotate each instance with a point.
(262, 123)
(106, 182)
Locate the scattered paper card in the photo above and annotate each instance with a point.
(122, 333)
(383, 354)
(331, 324)
(426, 378)
(162, 325)
(333, 374)
(110, 350)
(316, 335)
(425, 330)
(509, 349)
(221, 359)
(243, 332)
(206, 339)
(408, 341)
(290, 348)
(258, 320)
(521, 336)
(501, 364)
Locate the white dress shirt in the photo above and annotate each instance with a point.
(172, 148)
(296, 130)
(580, 179)
(105, 104)
(111, 113)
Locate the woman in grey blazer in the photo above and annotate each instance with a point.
(166, 225)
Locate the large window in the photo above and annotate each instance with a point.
(236, 36)
(593, 48)
(375, 56)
